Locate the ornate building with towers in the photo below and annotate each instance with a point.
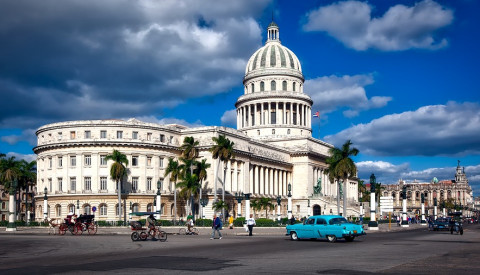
(276, 156)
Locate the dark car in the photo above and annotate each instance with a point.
(441, 224)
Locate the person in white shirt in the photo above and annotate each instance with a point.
(250, 224)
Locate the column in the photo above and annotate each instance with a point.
(275, 182)
(291, 113)
(261, 186)
(298, 114)
(249, 166)
(262, 119)
(257, 180)
(255, 122)
(276, 113)
(235, 177)
(247, 205)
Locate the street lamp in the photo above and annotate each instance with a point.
(239, 197)
(11, 226)
(372, 224)
(203, 202)
(45, 203)
(279, 201)
(308, 207)
(423, 221)
(78, 207)
(158, 200)
(289, 203)
(404, 207)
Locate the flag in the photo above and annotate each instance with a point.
(317, 114)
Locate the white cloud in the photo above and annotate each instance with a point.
(400, 28)
(330, 93)
(437, 130)
(27, 135)
(229, 118)
(18, 156)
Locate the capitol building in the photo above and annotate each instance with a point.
(273, 146)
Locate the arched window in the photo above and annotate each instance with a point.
(284, 85)
(172, 209)
(103, 209)
(262, 86)
(150, 207)
(253, 88)
(116, 209)
(135, 207)
(294, 86)
(87, 209)
(273, 86)
(58, 210)
(71, 209)
(162, 209)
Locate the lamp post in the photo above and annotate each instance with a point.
(203, 202)
(247, 206)
(404, 210)
(158, 200)
(45, 204)
(289, 203)
(11, 226)
(423, 221)
(435, 208)
(78, 207)
(372, 224)
(279, 201)
(308, 208)
(239, 197)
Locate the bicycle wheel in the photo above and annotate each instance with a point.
(71, 228)
(62, 229)
(182, 231)
(195, 231)
(143, 236)
(162, 236)
(77, 229)
(135, 236)
(92, 229)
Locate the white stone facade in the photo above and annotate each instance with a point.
(273, 147)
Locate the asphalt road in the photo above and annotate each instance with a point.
(414, 251)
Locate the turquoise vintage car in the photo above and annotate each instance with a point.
(331, 227)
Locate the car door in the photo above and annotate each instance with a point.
(320, 228)
(308, 228)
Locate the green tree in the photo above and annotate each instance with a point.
(220, 205)
(189, 148)
(201, 172)
(343, 167)
(363, 192)
(265, 204)
(189, 186)
(118, 171)
(173, 169)
(378, 191)
(255, 205)
(10, 170)
(28, 177)
(223, 151)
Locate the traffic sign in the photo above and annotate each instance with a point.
(386, 204)
(94, 208)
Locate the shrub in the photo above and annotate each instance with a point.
(265, 222)
(238, 222)
(204, 222)
(34, 224)
(3, 223)
(164, 223)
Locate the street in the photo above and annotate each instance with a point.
(415, 251)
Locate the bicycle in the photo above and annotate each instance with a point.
(184, 231)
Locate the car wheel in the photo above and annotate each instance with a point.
(331, 238)
(294, 236)
(349, 238)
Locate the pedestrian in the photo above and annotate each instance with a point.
(216, 226)
(230, 222)
(292, 220)
(250, 224)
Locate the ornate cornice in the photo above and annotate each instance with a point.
(272, 96)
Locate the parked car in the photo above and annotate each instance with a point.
(441, 224)
(330, 227)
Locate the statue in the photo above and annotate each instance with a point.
(318, 188)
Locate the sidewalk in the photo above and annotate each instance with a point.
(237, 231)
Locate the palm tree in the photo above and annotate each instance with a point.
(118, 171)
(255, 205)
(189, 148)
(219, 205)
(189, 187)
(363, 193)
(173, 169)
(265, 203)
(10, 170)
(223, 151)
(28, 172)
(378, 191)
(201, 172)
(332, 177)
(344, 167)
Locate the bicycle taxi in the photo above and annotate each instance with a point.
(142, 233)
(77, 225)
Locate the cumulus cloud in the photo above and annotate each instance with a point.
(108, 59)
(26, 135)
(436, 130)
(400, 28)
(229, 118)
(330, 93)
(18, 156)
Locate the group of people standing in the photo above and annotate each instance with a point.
(217, 226)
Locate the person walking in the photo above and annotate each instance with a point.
(216, 226)
(230, 222)
(250, 224)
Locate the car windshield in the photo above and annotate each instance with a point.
(337, 221)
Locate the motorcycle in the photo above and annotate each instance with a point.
(457, 228)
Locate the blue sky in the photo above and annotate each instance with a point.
(398, 78)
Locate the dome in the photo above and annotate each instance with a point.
(273, 55)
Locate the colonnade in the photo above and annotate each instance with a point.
(415, 196)
(328, 189)
(271, 113)
(268, 181)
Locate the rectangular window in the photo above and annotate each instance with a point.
(103, 161)
(50, 186)
(103, 134)
(50, 163)
(149, 184)
(170, 140)
(149, 161)
(119, 134)
(88, 183)
(73, 183)
(73, 161)
(161, 162)
(135, 135)
(60, 183)
(103, 210)
(103, 183)
(134, 184)
(60, 162)
(59, 135)
(294, 118)
(72, 135)
(88, 160)
(149, 136)
(135, 161)
(274, 117)
(88, 134)
(162, 138)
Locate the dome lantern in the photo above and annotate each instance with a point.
(273, 33)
